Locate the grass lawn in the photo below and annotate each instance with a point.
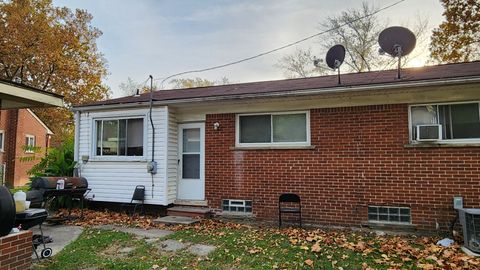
(246, 247)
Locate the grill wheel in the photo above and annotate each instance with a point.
(7, 211)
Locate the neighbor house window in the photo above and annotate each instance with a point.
(457, 121)
(29, 143)
(119, 137)
(385, 214)
(273, 129)
(2, 140)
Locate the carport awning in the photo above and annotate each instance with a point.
(16, 96)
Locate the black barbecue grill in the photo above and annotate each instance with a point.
(31, 218)
(45, 188)
(26, 220)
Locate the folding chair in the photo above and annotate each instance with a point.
(139, 197)
(289, 203)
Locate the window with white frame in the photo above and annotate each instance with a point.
(119, 137)
(456, 121)
(29, 143)
(2, 140)
(273, 129)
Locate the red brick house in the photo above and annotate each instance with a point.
(19, 128)
(373, 150)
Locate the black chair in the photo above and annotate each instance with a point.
(139, 198)
(289, 203)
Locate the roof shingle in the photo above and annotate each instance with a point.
(426, 73)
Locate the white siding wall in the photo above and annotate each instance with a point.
(172, 161)
(115, 180)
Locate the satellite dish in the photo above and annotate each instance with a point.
(397, 41)
(335, 57)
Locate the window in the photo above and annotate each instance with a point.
(273, 129)
(383, 214)
(237, 206)
(459, 121)
(29, 144)
(2, 140)
(119, 137)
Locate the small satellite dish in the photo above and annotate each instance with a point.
(317, 62)
(397, 41)
(335, 57)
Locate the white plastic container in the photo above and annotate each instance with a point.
(60, 184)
(20, 197)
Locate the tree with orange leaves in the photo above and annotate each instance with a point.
(53, 49)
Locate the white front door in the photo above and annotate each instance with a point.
(191, 182)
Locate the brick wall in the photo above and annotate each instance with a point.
(28, 125)
(16, 124)
(16, 251)
(359, 159)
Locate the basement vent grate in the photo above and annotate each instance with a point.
(237, 206)
(388, 214)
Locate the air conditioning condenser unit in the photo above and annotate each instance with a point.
(470, 220)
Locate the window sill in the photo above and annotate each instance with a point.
(277, 147)
(440, 145)
(117, 160)
(390, 226)
(235, 214)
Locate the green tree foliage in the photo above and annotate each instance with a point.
(457, 39)
(54, 49)
(58, 162)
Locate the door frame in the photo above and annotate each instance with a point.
(181, 127)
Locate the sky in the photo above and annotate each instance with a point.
(164, 37)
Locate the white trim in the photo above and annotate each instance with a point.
(442, 141)
(165, 152)
(181, 127)
(76, 142)
(2, 141)
(49, 132)
(271, 144)
(27, 97)
(28, 136)
(93, 152)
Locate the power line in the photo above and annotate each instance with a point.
(278, 48)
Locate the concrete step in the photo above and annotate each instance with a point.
(190, 203)
(174, 220)
(193, 212)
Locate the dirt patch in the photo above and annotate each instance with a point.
(115, 250)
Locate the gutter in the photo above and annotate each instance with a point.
(292, 93)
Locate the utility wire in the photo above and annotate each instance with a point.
(279, 48)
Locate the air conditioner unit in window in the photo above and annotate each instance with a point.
(470, 220)
(429, 133)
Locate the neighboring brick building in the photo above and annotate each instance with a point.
(374, 150)
(19, 127)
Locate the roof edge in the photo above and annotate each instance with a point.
(300, 92)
